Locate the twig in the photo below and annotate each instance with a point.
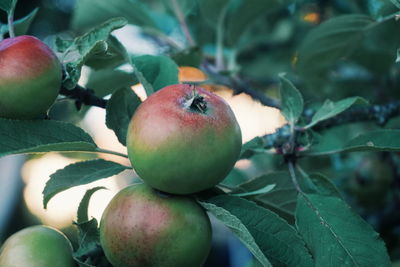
(83, 96)
(378, 113)
(242, 86)
(181, 17)
(278, 138)
(381, 114)
(238, 85)
(294, 178)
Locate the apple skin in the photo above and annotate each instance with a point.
(179, 149)
(144, 227)
(30, 77)
(37, 246)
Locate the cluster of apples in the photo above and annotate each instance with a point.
(181, 140)
(30, 79)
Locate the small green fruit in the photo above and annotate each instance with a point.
(183, 139)
(142, 227)
(37, 246)
(30, 77)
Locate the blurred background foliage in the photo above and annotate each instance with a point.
(257, 40)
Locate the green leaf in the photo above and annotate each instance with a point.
(37, 136)
(277, 240)
(106, 81)
(240, 230)
(155, 72)
(234, 178)
(191, 56)
(376, 8)
(84, 47)
(120, 109)
(330, 109)
(324, 186)
(292, 101)
(3, 30)
(281, 199)
(7, 5)
(396, 3)
(336, 236)
(378, 140)
(185, 6)
(89, 242)
(114, 56)
(82, 215)
(79, 173)
(211, 10)
(89, 13)
(264, 190)
(254, 146)
(334, 39)
(21, 26)
(332, 140)
(243, 13)
(62, 45)
(398, 56)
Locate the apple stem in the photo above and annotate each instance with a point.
(199, 104)
(195, 102)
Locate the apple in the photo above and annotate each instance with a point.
(144, 227)
(183, 139)
(37, 246)
(30, 77)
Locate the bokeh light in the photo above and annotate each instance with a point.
(254, 118)
(61, 209)
(94, 123)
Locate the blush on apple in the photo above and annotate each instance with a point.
(183, 139)
(141, 227)
(30, 77)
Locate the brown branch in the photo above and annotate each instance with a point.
(83, 96)
(380, 114)
(238, 85)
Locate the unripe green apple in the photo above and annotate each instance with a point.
(143, 227)
(30, 77)
(37, 246)
(183, 139)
